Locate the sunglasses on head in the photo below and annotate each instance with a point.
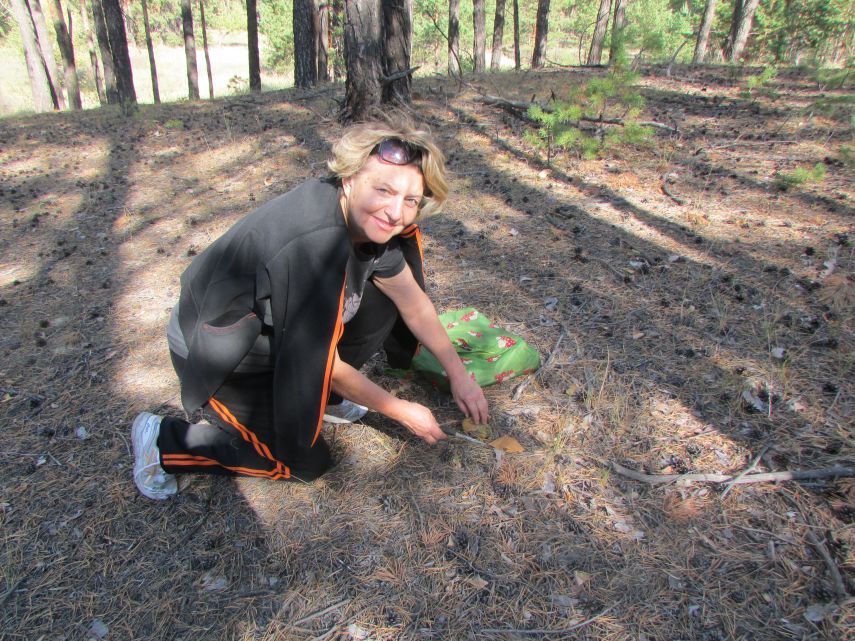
(397, 152)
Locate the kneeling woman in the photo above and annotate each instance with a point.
(277, 316)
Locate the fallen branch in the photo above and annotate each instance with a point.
(744, 472)
(398, 75)
(581, 624)
(765, 477)
(521, 109)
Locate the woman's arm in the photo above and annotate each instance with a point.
(420, 316)
(348, 382)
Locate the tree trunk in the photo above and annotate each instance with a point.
(66, 48)
(337, 31)
(740, 28)
(363, 55)
(538, 55)
(479, 24)
(39, 81)
(596, 51)
(252, 45)
(305, 44)
(93, 56)
(154, 87)
(323, 41)
(44, 42)
(617, 48)
(454, 68)
(397, 36)
(111, 89)
(119, 49)
(704, 33)
(190, 50)
(517, 61)
(205, 49)
(498, 33)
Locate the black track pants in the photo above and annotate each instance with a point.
(239, 437)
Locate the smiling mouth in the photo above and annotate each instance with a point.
(384, 225)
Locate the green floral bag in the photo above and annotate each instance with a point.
(489, 353)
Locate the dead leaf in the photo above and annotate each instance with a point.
(477, 582)
(508, 444)
(480, 431)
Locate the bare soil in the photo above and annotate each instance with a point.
(699, 336)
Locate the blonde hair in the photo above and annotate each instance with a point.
(357, 142)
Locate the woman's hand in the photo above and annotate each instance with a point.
(470, 398)
(419, 420)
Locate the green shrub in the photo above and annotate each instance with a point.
(584, 122)
(799, 176)
(757, 85)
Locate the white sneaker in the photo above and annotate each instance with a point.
(151, 479)
(344, 412)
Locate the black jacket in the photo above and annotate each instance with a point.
(279, 271)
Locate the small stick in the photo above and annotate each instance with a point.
(320, 613)
(558, 631)
(519, 390)
(668, 193)
(839, 586)
(794, 475)
(744, 472)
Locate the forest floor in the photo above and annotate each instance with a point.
(704, 336)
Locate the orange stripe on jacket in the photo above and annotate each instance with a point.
(325, 392)
(409, 232)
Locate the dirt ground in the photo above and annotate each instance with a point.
(706, 336)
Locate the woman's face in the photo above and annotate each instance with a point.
(381, 200)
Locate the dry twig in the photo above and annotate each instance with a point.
(766, 477)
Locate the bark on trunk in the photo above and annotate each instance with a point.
(119, 50)
(148, 43)
(396, 34)
(617, 47)
(323, 41)
(740, 28)
(454, 38)
(704, 33)
(93, 56)
(498, 33)
(39, 81)
(517, 61)
(305, 43)
(111, 89)
(66, 49)
(363, 55)
(596, 51)
(479, 24)
(44, 41)
(538, 55)
(252, 46)
(205, 49)
(190, 50)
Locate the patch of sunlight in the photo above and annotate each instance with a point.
(142, 378)
(10, 273)
(649, 232)
(86, 161)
